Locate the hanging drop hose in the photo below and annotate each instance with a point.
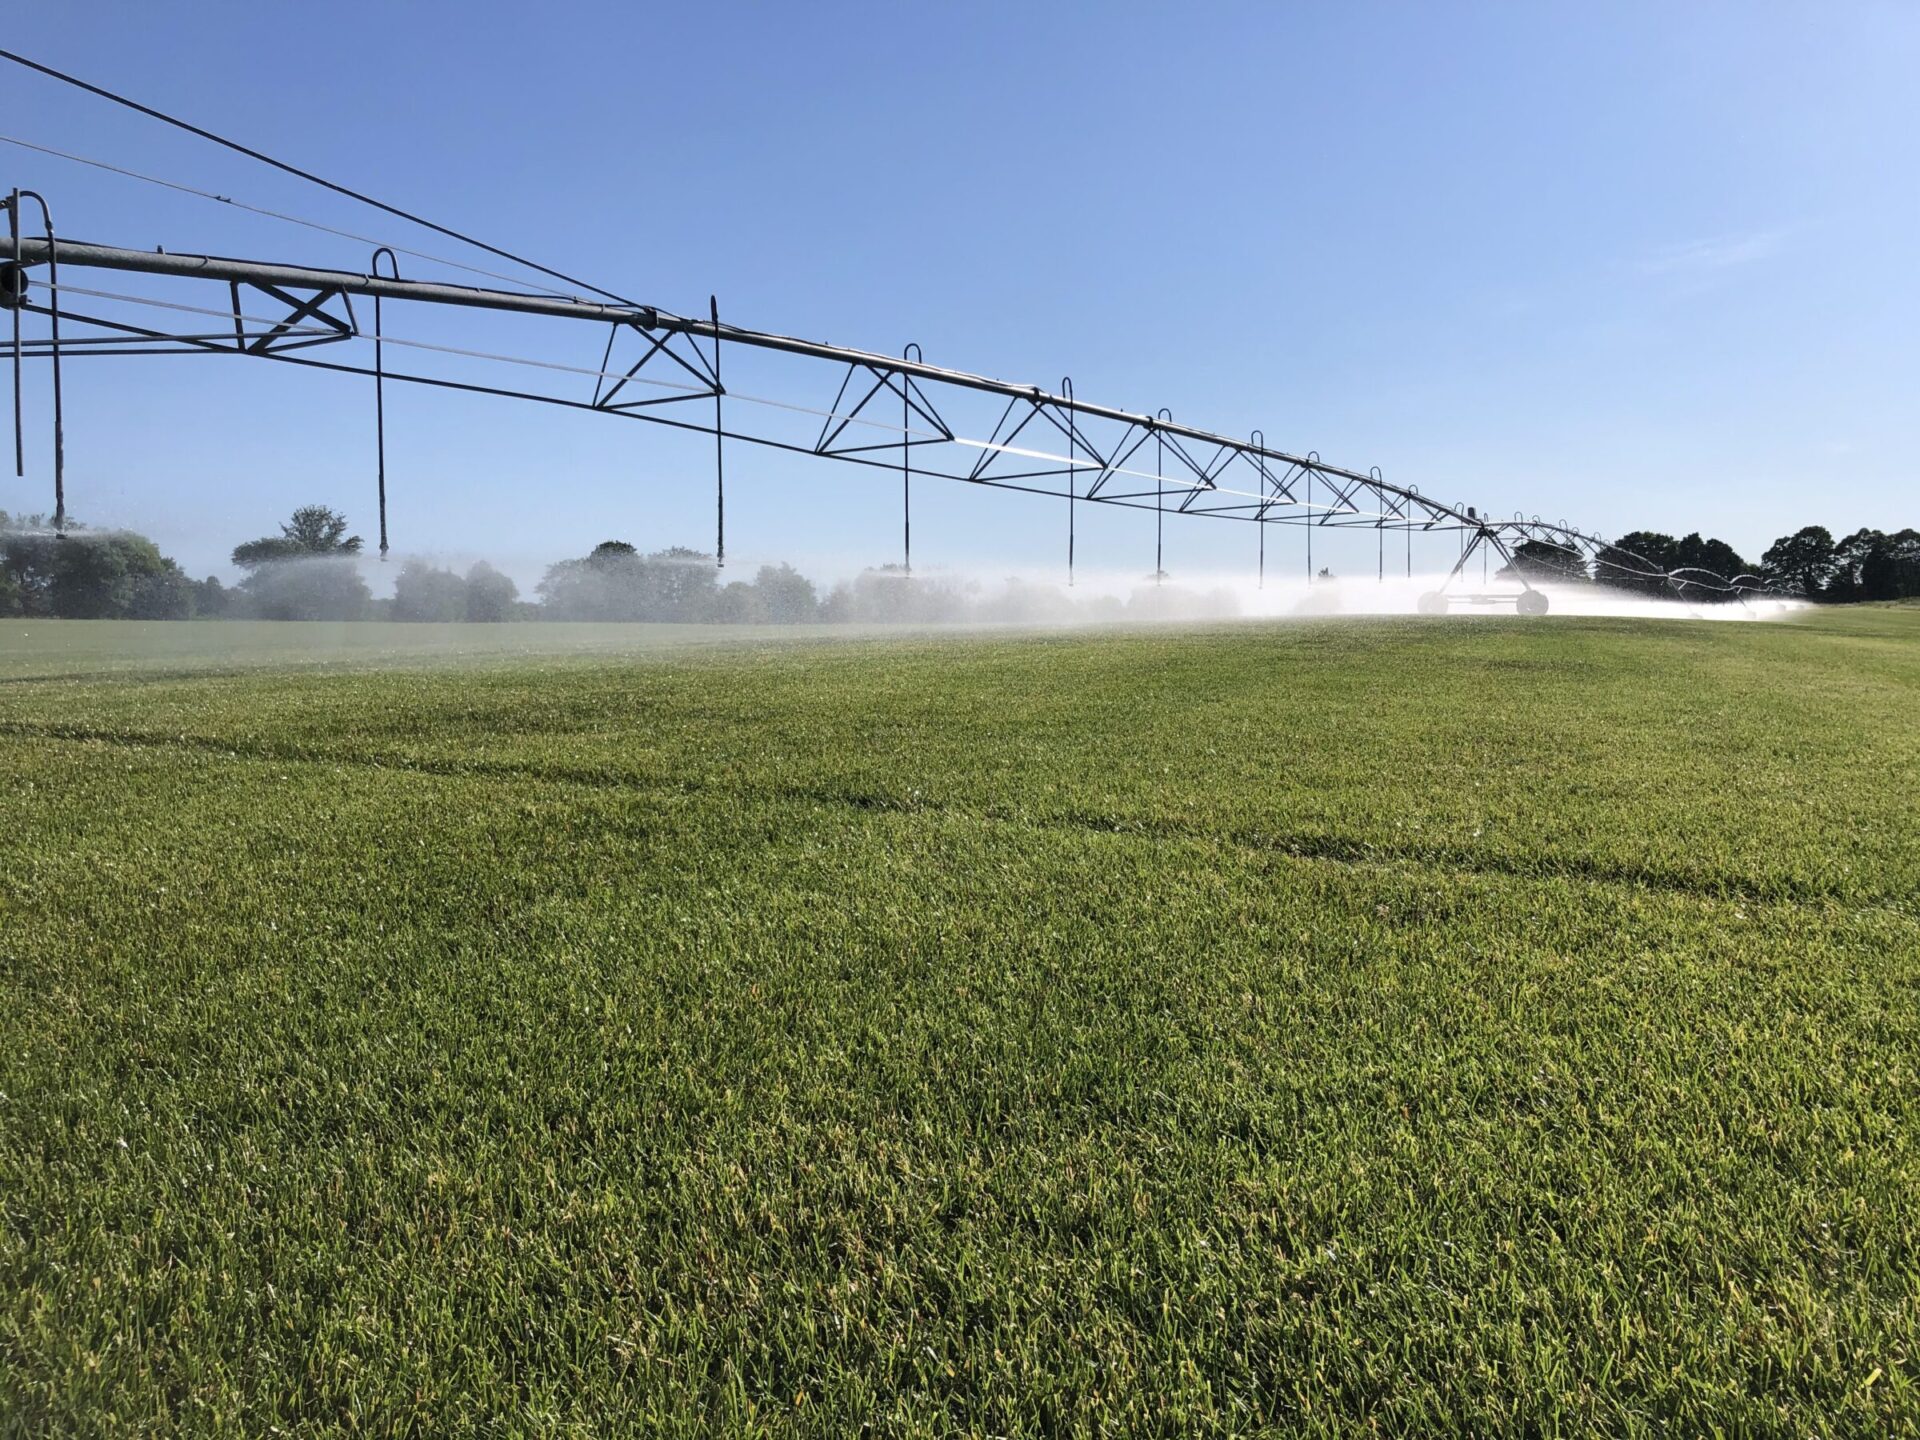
(16, 298)
(1259, 439)
(1159, 497)
(911, 352)
(719, 447)
(380, 393)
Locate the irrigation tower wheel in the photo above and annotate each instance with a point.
(1433, 603)
(1531, 602)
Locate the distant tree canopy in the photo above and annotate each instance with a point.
(87, 575)
(786, 596)
(491, 596)
(616, 582)
(424, 592)
(211, 598)
(1810, 563)
(1641, 560)
(1543, 560)
(309, 571)
(893, 595)
(1871, 565)
(1693, 553)
(313, 530)
(1803, 561)
(315, 589)
(117, 576)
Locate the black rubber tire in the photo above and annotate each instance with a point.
(1531, 603)
(1433, 603)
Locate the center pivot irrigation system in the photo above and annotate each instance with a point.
(897, 414)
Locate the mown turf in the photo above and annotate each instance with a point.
(1464, 1028)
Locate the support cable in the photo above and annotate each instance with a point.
(307, 175)
(262, 210)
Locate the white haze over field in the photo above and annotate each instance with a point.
(1472, 597)
(956, 597)
(1106, 597)
(1103, 597)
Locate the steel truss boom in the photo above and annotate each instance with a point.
(888, 412)
(1202, 457)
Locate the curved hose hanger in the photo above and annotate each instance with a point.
(1159, 491)
(719, 447)
(1073, 432)
(915, 353)
(16, 300)
(380, 392)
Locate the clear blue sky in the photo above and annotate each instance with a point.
(1634, 265)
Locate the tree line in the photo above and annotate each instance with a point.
(1809, 564)
(310, 570)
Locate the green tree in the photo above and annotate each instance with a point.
(1691, 552)
(313, 530)
(678, 585)
(739, 603)
(315, 588)
(306, 572)
(29, 549)
(93, 578)
(786, 596)
(112, 575)
(1543, 560)
(892, 595)
(27, 560)
(161, 594)
(1803, 560)
(1864, 568)
(490, 595)
(210, 597)
(1639, 561)
(424, 593)
(1903, 550)
(616, 582)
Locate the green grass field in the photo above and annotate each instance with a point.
(1480, 1028)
